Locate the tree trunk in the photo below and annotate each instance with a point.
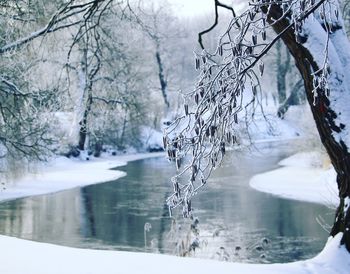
(282, 70)
(84, 122)
(330, 113)
(162, 80)
(293, 99)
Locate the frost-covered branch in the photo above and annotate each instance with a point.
(71, 14)
(228, 90)
(108, 101)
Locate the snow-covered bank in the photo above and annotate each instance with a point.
(300, 177)
(63, 173)
(21, 256)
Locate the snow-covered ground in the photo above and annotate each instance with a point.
(266, 126)
(62, 173)
(302, 176)
(26, 257)
(22, 256)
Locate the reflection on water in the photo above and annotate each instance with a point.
(236, 222)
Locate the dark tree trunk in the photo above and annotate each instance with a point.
(98, 148)
(162, 80)
(122, 135)
(294, 99)
(84, 122)
(324, 116)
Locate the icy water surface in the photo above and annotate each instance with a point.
(236, 223)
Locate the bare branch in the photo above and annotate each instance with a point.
(217, 5)
(58, 21)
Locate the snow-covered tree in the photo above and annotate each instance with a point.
(24, 125)
(313, 31)
(165, 37)
(93, 67)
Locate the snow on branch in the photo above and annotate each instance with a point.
(70, 14)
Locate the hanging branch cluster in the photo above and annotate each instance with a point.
(213, 109)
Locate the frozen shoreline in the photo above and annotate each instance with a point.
(63, 173)
(22, 256)
(300, 177)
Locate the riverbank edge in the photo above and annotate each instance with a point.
(63, 173)
(300, 177)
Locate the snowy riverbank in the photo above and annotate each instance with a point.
(300, 177)
(63, 173)
(22, 256)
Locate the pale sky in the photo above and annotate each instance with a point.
(188, 8)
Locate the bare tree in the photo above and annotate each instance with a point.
(314, 33)
(162, 29)
(90, 65)
(287, 96)
(283, 65)
(296, 97)
(109, 81)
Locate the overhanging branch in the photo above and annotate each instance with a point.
(217, 5)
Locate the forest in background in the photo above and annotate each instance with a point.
(82, 79)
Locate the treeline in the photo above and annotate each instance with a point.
(77, 75)
(83, 75)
